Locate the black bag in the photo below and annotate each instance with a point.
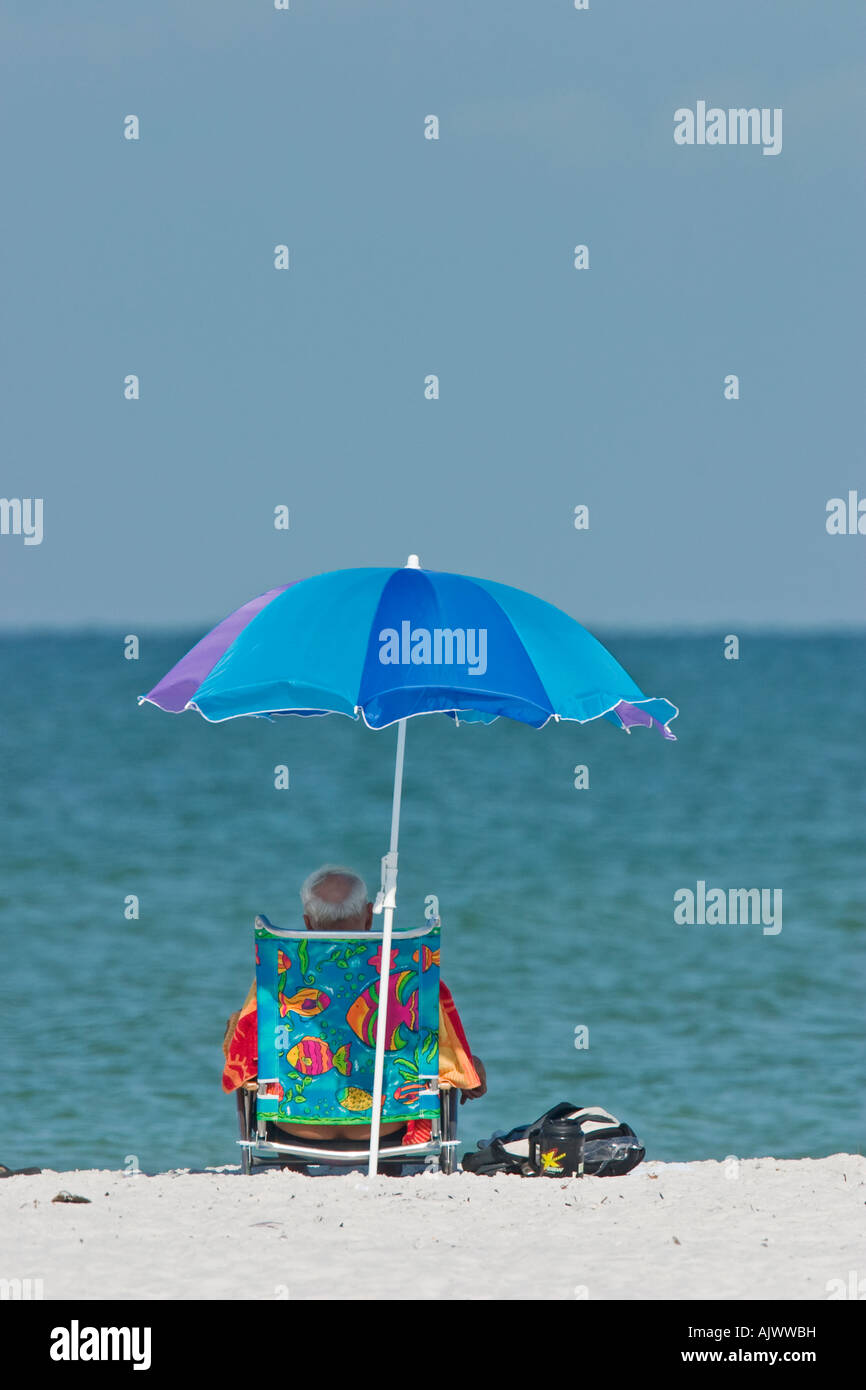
(611, 1148)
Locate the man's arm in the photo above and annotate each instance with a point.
(477, 1091)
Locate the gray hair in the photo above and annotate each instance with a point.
(322, 912)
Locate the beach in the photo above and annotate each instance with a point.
(760, 1228)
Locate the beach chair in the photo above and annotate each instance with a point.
(317, 1007)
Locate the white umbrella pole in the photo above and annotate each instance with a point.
(386, 902)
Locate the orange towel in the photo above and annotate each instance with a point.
(455, 1056)
(240, 1046)
(455, 1061)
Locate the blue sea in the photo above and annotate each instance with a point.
(557, 903)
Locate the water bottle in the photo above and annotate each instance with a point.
(556, 1149)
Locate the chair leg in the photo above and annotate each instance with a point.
(448, 1102)
(244, 1108)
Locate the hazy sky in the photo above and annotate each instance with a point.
(409, 257)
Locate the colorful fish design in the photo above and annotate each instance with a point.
(313, 1057)
(362, 1016)
(409, 1091)
(376, 960)
(428, 957)
(283, 962)
(307, 1003)
(353, 1098)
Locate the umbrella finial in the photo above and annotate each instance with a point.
(413, 563)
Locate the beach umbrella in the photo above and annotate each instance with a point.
(384, 645)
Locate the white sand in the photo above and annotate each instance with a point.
(778, 1229)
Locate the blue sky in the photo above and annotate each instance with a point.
(410, 257)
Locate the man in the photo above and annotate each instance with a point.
(336, 898)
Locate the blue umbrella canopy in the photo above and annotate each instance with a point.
(388, 644)
(385, 645)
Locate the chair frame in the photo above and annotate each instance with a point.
(259, 1151)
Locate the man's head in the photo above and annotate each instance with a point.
(335, 899)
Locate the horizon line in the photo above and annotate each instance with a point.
(775, 627)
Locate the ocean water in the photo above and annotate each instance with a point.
(557, 904)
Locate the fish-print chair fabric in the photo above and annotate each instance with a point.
(317, 1009)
